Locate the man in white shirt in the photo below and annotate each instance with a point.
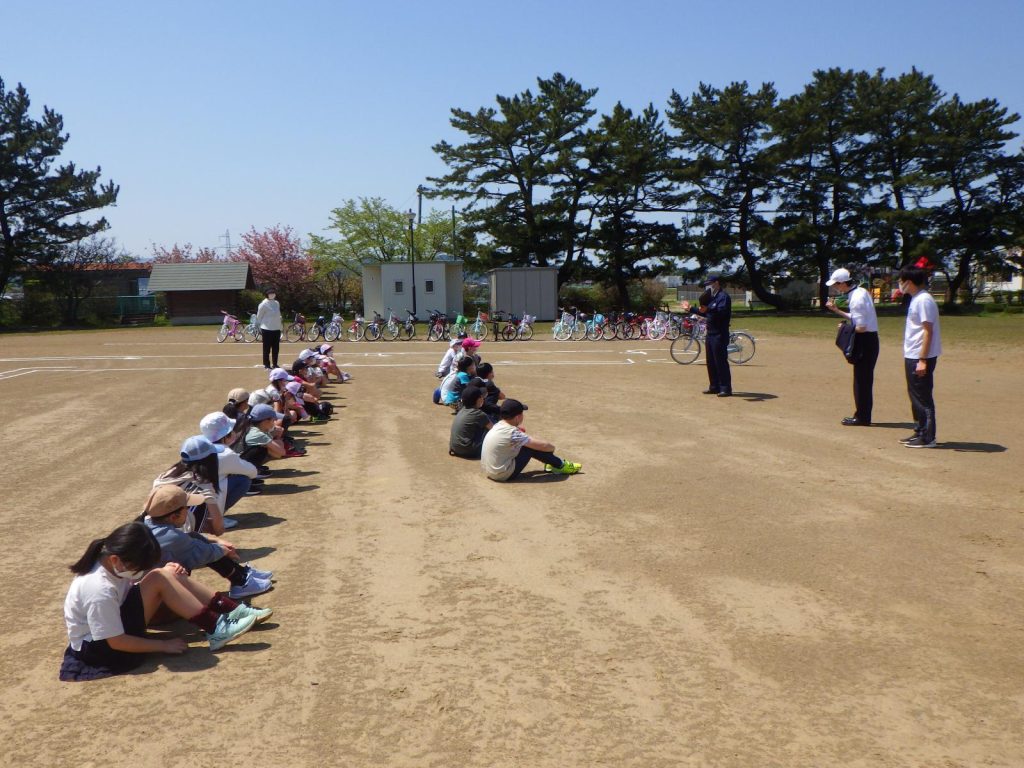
(865, 344)
(922, 345)
(507, 449)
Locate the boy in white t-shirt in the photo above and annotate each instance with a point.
(922, 345)
(507, 449)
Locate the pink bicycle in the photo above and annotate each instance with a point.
(232, 327)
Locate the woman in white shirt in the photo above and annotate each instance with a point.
(865, 344)
(268, 315)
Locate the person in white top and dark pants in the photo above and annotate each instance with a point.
(922, 345)
(268, 315)
(865, 344)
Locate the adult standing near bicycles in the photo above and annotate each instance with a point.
(865, 343)
(716, 347)
(268, 316)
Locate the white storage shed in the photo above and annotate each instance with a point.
(389, 284)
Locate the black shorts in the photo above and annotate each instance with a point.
(97, 659)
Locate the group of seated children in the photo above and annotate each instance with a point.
(488, 425)
(141, 573)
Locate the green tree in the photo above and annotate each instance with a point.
(895, 117)
(728, 174)
(519, 173)
(73, 274)
(41, 206)
(823, 192)
(628, 161)
(977, 214)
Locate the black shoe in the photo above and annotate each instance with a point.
(910, 438)
(853, 421)
(710, 391)
(263, 471)
(725, 394)
(257, 482)
(920, 442)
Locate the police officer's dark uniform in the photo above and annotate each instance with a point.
(719, 314)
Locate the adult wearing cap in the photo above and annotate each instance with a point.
(865, 343)
(268, 315)
(719, 314)
(507, 449)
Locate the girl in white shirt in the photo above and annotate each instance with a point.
(112, 598)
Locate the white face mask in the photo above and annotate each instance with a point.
(130, 575)
(272, 296)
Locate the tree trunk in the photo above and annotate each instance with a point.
(743, 237)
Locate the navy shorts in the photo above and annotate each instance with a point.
(97, 659)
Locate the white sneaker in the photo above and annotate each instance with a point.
(254, 585)
(260, 614)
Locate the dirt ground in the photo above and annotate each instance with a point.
(736, 582)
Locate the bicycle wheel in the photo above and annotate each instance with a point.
(371, 333)
(222, 334)
(508, 333)
(434, 333)
(249, 334)
(593, 332)
(355, 332)
(685, 349)
(389, 332)
(525, 333)
(406, 332)
(673, 331)
(295, 332)
(313, 334)
(741, 347)
(608, 331)
(579, 331)
(561, 331)
(478, 331)
(623, 331)
(656, 331)
(332, 332)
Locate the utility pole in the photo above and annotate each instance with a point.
(412, 257)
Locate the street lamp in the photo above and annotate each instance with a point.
(412, 257)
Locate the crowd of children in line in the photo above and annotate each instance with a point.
(141, 573)
(487, 424)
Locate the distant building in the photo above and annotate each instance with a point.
(389, 284)
(525, 290)
(196, 293)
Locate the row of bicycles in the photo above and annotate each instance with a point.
(439, 327)
(687, 332)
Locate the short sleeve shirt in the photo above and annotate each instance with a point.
(256, 437)
(922, 309)
(92, 609)
(499, 450)
(862, 310)
(468, 429)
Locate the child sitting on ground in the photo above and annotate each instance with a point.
(469, 426)
(263, 440)
(106, 611)
(165, 511)
(453, 385)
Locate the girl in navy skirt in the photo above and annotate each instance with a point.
(112, 598)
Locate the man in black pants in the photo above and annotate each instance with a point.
(865, 344)
(719, 313)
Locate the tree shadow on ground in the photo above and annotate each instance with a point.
(255, 519)
(972, 447)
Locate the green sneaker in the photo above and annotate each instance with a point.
(567, 468)
(229, 628)
(243, 610)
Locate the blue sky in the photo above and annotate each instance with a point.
(217, 116)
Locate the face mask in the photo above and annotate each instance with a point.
(130, 575)
(272, 296)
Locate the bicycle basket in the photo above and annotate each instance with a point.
(460, 320)
(598, 318)
(252, 319)
(567, 318)
(528, 319)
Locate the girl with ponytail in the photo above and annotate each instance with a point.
(115, 594)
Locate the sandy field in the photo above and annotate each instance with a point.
(729, 582)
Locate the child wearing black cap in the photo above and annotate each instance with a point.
(507, 449)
